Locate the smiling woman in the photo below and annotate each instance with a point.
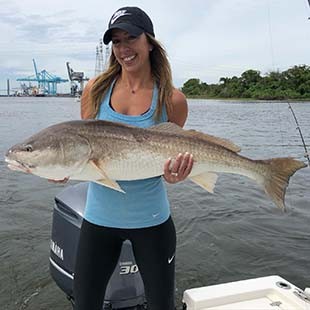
(136, 90)
(132, 52)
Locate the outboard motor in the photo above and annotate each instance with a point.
(125, 289)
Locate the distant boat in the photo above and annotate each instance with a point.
(38, 92)
(77, 98)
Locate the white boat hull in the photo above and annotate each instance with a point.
(264, 293)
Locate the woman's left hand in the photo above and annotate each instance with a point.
(179, 169)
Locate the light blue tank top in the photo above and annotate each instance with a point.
(145, 203)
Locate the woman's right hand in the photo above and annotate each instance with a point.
(178, 169)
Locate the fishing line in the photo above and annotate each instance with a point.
(306, 155)
(289, 199)
(281, 125)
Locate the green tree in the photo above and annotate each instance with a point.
(191, 87)
(293, 83)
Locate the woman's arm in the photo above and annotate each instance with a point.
(86, 109)
(179, 111)
(179, 169)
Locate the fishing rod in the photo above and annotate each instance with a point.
(299, 130)
(306, 155)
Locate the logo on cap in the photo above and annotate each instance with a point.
(117, 15)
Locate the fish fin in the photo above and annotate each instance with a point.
(206, 180)
(276, 182)
(111, 184)
(96, 164)
(167, 126)
(105, 181)
(174, 128)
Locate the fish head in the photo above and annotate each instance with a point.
(19, 158)
(48, 154)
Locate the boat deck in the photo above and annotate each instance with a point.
(264, 293)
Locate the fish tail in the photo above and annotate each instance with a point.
(277, 179)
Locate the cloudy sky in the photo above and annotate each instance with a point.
(205, 39)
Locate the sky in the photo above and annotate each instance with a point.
(204, 39)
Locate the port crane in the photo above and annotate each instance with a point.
(76, 76)
(47, 82)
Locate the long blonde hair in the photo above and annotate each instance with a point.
(161, 72)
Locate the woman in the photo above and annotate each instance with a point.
(137, 90)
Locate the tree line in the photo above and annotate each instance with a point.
(293, 83)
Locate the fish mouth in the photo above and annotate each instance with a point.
(18, 166)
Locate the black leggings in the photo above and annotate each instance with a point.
(153, 248)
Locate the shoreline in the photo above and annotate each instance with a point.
(301, 100)
(42, 96)
(248, 99)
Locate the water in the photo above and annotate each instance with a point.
(234, 234)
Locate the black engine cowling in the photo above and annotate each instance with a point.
(125, 289)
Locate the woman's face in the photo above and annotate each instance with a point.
(132, 53)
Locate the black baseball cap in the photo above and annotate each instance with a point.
(131, 19)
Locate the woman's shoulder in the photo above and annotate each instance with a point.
(179, 109)
(86, 107)
(88, 86)
(178, 97)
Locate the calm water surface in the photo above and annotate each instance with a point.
(234, 234)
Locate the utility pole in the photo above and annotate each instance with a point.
(97, 67)
(102, 58)
(107, 56)
(101, 55)
(8, 87)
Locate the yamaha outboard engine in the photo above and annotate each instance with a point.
(125, 289)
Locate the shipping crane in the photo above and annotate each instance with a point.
(47, 82)
(76, 76)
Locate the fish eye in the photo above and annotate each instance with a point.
(28, 148)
